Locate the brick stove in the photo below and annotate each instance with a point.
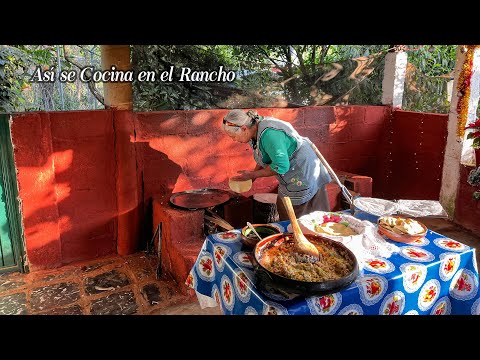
(183, 231)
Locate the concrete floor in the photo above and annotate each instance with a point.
(118, 285)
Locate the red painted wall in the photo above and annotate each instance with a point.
(183, 150)
(413, 146)
(86, 177)
(66, 176)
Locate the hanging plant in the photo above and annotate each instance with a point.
(474, 180)
(474, 177)
(475, 135)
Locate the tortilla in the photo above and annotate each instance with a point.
(240, 186)
(335, 229)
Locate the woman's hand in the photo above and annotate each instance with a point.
(244, 175)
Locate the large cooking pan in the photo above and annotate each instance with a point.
(266, 279)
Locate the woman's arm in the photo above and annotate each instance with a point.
(253, 174)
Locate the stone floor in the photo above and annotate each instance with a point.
(126, 285)
(112, 285)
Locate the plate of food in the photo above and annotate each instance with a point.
(401, 229)
(336, 226)
(365, 243)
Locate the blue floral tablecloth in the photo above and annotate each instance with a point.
(433, 276)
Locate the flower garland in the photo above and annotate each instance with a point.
(463, 89)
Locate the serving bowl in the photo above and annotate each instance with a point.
(250, 239)
(398, 233)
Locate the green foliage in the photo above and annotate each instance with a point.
(474, 176)
(18, 93)
(476, 195)
(267, 76)
(475, 134)
(12, 64)
(476, 139)
(160, 95)
(428, 74)
(433, 60)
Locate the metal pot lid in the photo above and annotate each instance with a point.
(199, 198)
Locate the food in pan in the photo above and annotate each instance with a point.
(401, 225)
(334, 262)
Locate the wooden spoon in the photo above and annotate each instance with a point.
(253, 230)
(306, 251)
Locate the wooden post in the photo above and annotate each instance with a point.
(118, 95)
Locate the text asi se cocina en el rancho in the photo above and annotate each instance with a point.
(89, 73)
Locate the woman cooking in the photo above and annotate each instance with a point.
(280, 151)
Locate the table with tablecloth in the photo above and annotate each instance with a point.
(435, 275)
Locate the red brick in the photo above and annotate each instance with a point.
(334, 196)
(184, 183)
(293, 116)
(201, 165)
(315, 116)
(318, 135)
(31, 139)
(339, 132)
(183, 146)
(360, 184)
(348, 150)
(147, 150)
(159, 169)
(153, 124)
(43, 245)
(180, 244)
(33, 154)
(204, 121)
(376, 114)
(129, 198)
(81, 125)
(75, 250)
(367, 132)
(350, 114)
(239, 162)
(262, 111)
(165, 187)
